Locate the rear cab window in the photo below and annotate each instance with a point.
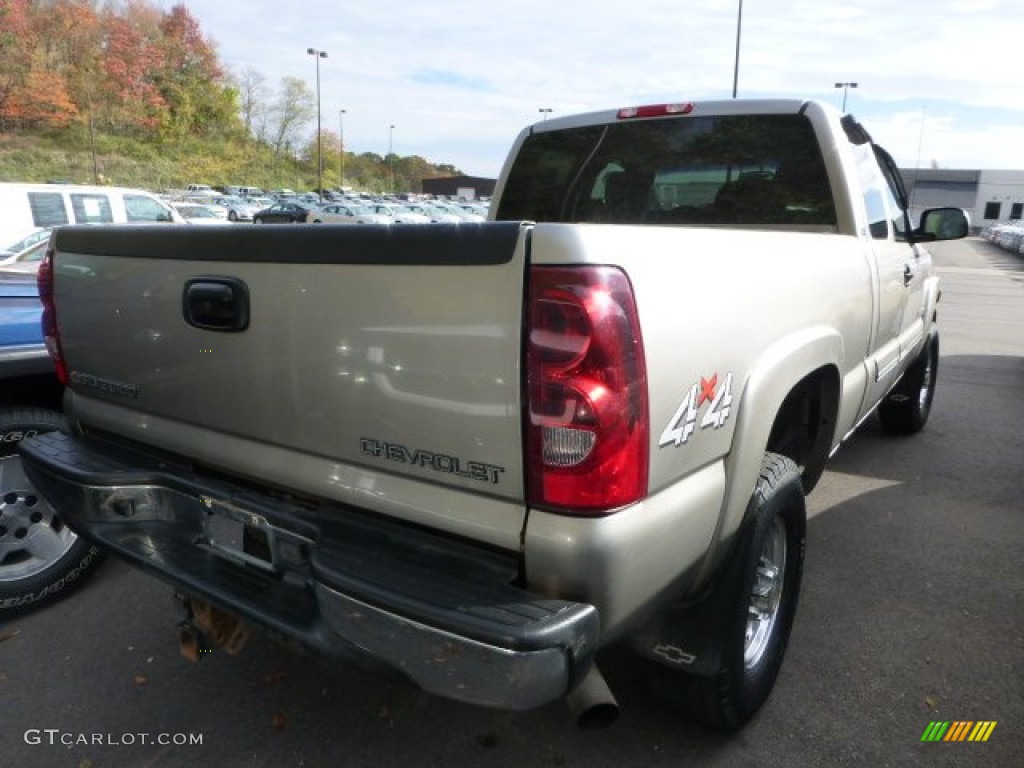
(760, 170)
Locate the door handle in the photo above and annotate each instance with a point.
(908, 275)
(216, 304)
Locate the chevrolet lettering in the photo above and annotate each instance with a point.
(438, 462)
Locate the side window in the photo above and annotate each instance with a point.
(91, 208)
(142, 208)
(895, 191)
(47, 209)
(875, 191)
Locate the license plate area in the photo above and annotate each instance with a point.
(239, 535)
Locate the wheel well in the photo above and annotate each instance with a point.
(805, 423)
(42, 391)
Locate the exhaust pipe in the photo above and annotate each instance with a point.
(591, 702)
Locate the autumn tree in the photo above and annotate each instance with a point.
(293, 110)
(131, 54)
(17, 43)
(252, 101)
(69, 38)
(200, 100)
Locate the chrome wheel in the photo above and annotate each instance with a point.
(32, 537)
(765, 595)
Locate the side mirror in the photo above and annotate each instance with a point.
(942, 224)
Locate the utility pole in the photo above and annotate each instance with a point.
(736, 64)
(391, 160)
(341, 154)
(319, 152)
(845, 87)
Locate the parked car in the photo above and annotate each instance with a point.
(435, 214)
(28, 260)
(399, 214)
(282, 213)
(214, 202)
(14, 246)
(463, 213)
(197, 213)
(239, 209)
(27, 206)
(337, 213)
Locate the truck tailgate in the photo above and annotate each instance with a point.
(386, 356)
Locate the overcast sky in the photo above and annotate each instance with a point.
(939, 81)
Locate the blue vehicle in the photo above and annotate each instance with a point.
(40, 557)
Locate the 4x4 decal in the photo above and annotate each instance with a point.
(684, 420)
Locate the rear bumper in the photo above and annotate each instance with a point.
(337, 580)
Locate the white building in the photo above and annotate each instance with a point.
(988, 196)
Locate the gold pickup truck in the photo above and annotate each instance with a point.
(475, 454)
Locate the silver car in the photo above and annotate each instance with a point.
(345, 213)
(399, 214)
(239, 209)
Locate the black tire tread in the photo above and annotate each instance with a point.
(712, 700)
(74, 566)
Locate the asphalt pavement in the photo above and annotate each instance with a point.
(912, 613)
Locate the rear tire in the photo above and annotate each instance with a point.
(757, 594)
(41, 559)
(905, 410)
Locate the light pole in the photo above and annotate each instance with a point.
(341, 143)
(545, 111)
(736, 64)
(391, 160)
(845, 87)
(319, 155)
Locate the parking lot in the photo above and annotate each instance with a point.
(911, 612)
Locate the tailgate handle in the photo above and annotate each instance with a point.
(216, 304)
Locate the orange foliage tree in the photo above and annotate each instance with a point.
(130, 68)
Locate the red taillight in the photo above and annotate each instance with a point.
(655, 110)
(50, 336)
(587, 424)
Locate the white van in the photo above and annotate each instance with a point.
(26, 206)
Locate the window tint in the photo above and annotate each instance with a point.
(142, 208)
(47, 209)
(746, 170)
(91, 208)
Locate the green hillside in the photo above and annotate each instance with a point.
(135, 95)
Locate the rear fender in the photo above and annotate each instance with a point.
(773, 376)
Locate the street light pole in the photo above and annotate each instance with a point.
(391, 160)
(545, 111)
(341, 143)
(845, 87)
(319, 152)
(736, 64)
